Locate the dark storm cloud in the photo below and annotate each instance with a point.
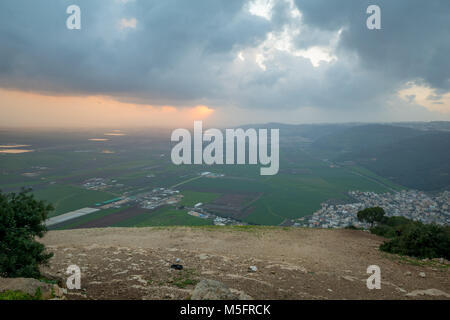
(175, 52)
(414, 42)
(183, 52)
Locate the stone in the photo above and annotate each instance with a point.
(244, 296)
(428, 292)
(349, 278)
(176, 267)
(30, 286)
(241, 295)
(408, 273)
(58, 293)
(60, 281)
(212, 290)
(422, 275)
(252, 269)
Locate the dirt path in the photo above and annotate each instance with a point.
(185, 181)
(293, 263)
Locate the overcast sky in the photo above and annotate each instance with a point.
(165, 62)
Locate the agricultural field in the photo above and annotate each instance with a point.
(86, 220)
(190, 198)
(167, 216)
(60, 165)
(288, 196)
(134, 217)
(66, 198)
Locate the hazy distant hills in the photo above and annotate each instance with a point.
(413, 154)
(361, 139)
(414, 158)
(421, 162)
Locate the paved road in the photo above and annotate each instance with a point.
(69, 216)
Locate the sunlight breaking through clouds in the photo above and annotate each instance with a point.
(128, 23)
(426, 97)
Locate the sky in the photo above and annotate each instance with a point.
(152, 63)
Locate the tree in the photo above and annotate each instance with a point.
(372, 215)
(21, 221)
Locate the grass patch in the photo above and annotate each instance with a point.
(185, 278)
(415, 261)
(19, 295)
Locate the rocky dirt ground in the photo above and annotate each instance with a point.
(292, 263)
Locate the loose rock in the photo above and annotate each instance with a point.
(428, 292)
(252, 269)
(212, 290)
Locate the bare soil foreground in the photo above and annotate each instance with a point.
(292, 263)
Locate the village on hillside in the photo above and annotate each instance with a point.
(411, 204)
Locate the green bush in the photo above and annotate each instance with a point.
(391, 227)
(383, 230)
(21, 221)
(421, 241)
(408, 237)
(397, 221)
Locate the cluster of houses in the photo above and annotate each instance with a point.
(411, 204)
(100, 184)
(158, 197)
(199, 212)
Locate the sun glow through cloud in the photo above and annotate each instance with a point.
(137, 63)
(426, 97)
(201, 112)
(41, 110)
(128, 23)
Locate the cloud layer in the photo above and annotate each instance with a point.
(263, 55)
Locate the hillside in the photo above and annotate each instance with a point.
(292, 263)
(413, 158)
(360, 139)
(421, 162)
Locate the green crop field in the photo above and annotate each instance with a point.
(302, 184)
(62, 163)
(66, 198)
(190, 198)
(369, 174)
(167, 216)
(290, 196)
